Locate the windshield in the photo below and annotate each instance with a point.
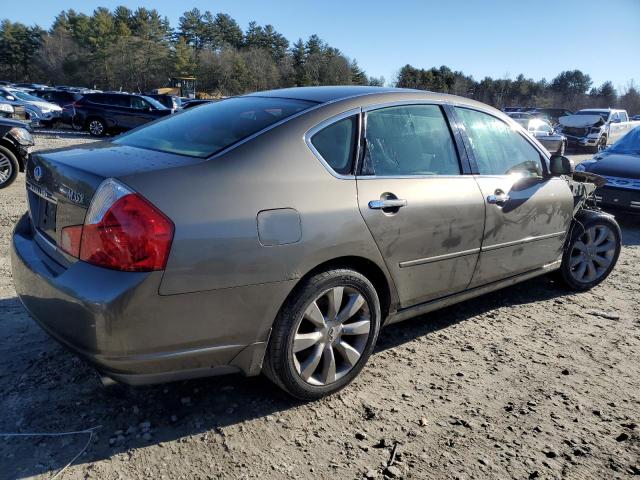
(630, 143)
(204, 131)
(154, 102)
(25, 96)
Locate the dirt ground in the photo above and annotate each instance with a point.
(529, 382)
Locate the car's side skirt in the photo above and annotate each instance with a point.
(410, 312)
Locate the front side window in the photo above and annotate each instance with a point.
(409, 140)
(336, 144)
(204, 131)
(497, 148)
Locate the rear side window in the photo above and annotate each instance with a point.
(409, 140)
(204, 131)
(497, 148)
(624, 117)
(336, 144)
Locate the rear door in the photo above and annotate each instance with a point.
(527, 211)
(423, 208)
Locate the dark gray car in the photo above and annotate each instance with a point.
(279, 231)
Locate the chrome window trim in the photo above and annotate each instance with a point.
(409, 177)
(326, 123)
(402, 103)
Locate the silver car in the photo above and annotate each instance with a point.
(543, 132)
(279, 231)
(37, 109)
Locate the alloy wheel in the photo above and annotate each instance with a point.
(96, 128)
(6, 169)
(331, 335)
(592, 253)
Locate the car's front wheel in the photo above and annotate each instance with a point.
(324, 334)
(591, 252)
(8, 167)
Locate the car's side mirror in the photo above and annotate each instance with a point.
(560, 165)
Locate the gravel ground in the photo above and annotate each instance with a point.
(529, 382)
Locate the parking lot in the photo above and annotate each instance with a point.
(528, 382)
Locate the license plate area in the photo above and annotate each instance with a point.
(43, 210)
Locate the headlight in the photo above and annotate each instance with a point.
(5, 107)
(21, 135)
(594, 130)
(580, 168)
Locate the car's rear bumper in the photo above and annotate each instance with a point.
(119, 323)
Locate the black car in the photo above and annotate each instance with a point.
(59, 97)
(15, 142)
(63, 98)
(102, 113)
(620, 166)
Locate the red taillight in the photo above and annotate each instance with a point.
(122, 231)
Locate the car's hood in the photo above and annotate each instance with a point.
(617, 165)
(580, 121)
(7, 122)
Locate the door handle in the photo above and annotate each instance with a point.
(387, 203)
(498, 198)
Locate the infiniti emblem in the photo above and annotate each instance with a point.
(37, 173)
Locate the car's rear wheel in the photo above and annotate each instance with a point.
(324, 334)
(592, 252)
(8, 167)
(96, 127)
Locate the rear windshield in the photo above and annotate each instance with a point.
(204, 131)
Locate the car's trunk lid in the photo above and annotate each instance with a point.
(61, 184)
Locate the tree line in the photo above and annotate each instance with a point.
(571, 89)
(139, 50)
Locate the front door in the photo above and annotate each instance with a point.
(426, 217)
(527, 211)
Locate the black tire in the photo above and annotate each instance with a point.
(9, 167)
(96, 127)
(601, 145)
(589, 221)
(280, 358)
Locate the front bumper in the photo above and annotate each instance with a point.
(582, 141)
(118, 322)
(618, 198)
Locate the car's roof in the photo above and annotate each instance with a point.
(328, 94)
(332, 94)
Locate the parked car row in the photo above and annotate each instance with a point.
(83, 108)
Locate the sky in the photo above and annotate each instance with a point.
(496, 38)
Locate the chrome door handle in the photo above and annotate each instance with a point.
(388, 203)
(498, 199)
